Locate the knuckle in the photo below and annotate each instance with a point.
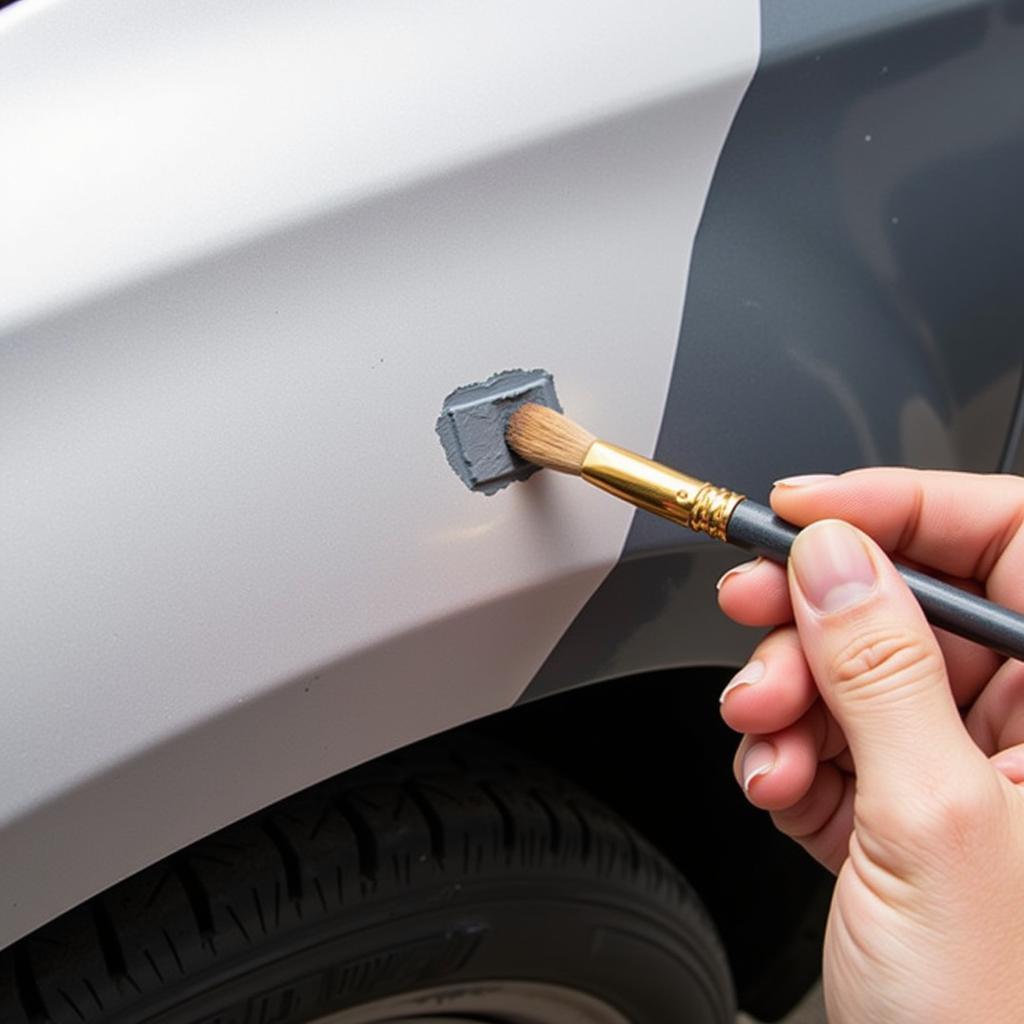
(941, 823)
(941, 817)
(952, 837)
(888, 658)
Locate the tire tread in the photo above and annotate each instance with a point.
(432, 812)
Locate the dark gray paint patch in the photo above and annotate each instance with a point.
(473, 421)
(854, 295)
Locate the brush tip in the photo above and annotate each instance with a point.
(547, 438)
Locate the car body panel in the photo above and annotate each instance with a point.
(248, 249)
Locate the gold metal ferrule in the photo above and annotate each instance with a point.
(692, 503)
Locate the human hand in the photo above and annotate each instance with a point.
(893, 753)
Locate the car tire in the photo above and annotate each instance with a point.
(449, 882)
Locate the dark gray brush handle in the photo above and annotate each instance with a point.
(756, 528)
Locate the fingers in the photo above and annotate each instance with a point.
(822, 820)
(755, 594)
(791, 774)
(958, 523)
(877, 664)
(996, 721)
(968, 665)
(862, 643)
(774, 688)
(776, 770)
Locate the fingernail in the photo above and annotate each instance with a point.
(752, 672)
(757, 761)
(736, 570)
(832, 565)
(804, 481)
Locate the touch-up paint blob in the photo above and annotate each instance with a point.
(472, 427)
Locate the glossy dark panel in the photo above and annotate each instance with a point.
(855, 293)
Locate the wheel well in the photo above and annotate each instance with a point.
(654, 747)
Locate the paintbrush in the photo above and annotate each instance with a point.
(546, 438)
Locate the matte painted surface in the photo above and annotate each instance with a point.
(246, 251)
(473, 422)
(854, 295)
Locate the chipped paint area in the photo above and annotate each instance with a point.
(473, 421)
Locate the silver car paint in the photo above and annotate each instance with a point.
(247, 248)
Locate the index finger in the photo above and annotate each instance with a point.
(963, 524)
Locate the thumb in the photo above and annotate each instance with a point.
(876, 661)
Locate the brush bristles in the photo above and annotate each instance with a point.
(547, 438)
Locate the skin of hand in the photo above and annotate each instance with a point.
(892, 752)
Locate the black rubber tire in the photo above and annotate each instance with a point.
(442, 864)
